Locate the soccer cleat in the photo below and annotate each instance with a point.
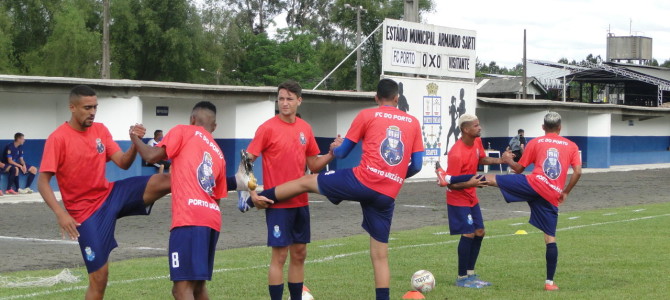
(11, 192)
(29, 190)
(476, 279)
(442, 178)
(1, 194)
(242, 197)
(550, 287)
(248, 166)
(22, 191)
(466, 282)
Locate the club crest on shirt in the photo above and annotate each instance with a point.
(551, 165)
(99, 145)
(303, 140)
(206, 174)
(392, 149)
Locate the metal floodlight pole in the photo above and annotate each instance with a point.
(104, 72)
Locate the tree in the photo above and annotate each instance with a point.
(6, 48)
(666, 64)
(157, 40)
(257, 14)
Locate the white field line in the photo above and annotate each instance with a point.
(320, 260)
(67, 242)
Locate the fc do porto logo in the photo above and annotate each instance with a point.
(551, 165)
(392, 149)
(206, 174)
(99, 146)
(277, 232)
(303, 140)
(90, 255)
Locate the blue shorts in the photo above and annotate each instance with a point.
(543, 215)
(191, 253)
(464, 219)
(96, 234)
(339, 185)
(287, 226)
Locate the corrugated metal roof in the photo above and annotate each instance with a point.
(504, 85)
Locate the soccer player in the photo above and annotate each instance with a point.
(12, 158)
(392, 151)
(77, 153)
(286, 143)
(544, 189)
(465, 216)
(198, 183)
(163, 164)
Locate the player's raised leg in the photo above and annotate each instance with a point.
(157, 187)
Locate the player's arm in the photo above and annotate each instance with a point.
(12, 162)
(574, 178)
(415, 164)
(344, 149)
(65, 221)
(460, 182)
(316, 163)
(486, 160)
(150, 154)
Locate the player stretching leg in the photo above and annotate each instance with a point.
(92, 204)
(543, 189)
(392, 151)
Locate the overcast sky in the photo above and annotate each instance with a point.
(554, 29)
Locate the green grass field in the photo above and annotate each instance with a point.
(618, 253)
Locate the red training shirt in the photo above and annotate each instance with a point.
(198, 176)
(390, 136)
(463, 159)
(551, 154)
(284, 148)
(78, 159)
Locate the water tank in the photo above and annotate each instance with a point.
(628, 48)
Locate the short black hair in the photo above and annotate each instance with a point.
(387, 89)
(205, 105)
(520, 131)
(81, 91)
(157, 131)
(17, 136)
(291, 86)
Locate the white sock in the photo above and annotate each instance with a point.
(549, 282)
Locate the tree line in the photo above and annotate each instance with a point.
(196, 41)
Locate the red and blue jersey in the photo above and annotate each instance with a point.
(463, 159)
(284, 148)
(78, 159)
(552, 155)
(198, 176)
(389, 136)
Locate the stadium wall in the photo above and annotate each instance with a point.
(36, 107)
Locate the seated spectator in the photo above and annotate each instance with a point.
(163, 164)
(12, 158)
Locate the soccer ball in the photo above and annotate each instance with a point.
(423, 281)
(305, 296)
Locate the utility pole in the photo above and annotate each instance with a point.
(104, 71)
(524, 65)
(358, 42)
(411, 11)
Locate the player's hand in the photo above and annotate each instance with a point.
(260, 202)
(138, 130)
(336, 143)
(68, 225)
(475, 181)
(508, 157)
(563, 197)
(23, 169)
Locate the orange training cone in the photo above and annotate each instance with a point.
(413, 295)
